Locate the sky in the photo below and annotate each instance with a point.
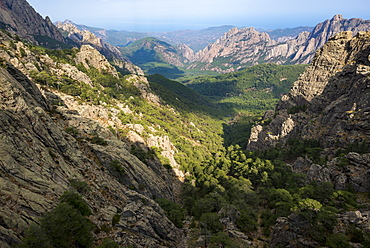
(171, 15)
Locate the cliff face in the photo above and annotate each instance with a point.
(49, 140)
(333, 90)
(329, 104)
(22, 18)
(245, 47)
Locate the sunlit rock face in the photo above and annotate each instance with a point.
(246, 47)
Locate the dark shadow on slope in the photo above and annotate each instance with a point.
(340, 109)
(185, 99)
(238, 131)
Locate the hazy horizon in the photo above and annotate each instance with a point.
(172, 15)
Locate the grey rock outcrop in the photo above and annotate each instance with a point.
(329, 102)
(187, 53)
(351, 171)
(22, 18)
(88, 38)
(38, 159)
(291, 232)
(90, 57)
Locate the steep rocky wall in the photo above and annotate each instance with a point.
(330, 104)
(47, 141)
(26, 21)
(38, 160)
(334, 92)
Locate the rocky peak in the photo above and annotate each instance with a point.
(327, 29)
(89, 56)
(86, 37)
(337, 18)
(242, 45)
(187, 53)
(22, 18)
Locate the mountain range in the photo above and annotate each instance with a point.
(245, 47)
(239, 48)
(195, 39)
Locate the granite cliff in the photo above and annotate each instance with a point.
(19, 16)
(328, 102)
(88, 38)
(329, 105)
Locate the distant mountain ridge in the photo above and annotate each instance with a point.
(245, 47)
(240, 48)
(285, 34)
(195, 39)
(157, 56)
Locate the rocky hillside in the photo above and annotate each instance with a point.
(86, 37)
(154, 50)
(73, 122)
(245, 47)
(19, 16)
(328, 104)
(333, 90)
(70, 122)
(322, 128)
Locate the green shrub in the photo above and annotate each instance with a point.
(75, 200)
(72, 131)
(107, 243)
(115, 220)
(174, 212)
(211, 222)
(80, 186)
(337, 240)
(297, 109)
(98, 141)
(117, 167)
(64, 227)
